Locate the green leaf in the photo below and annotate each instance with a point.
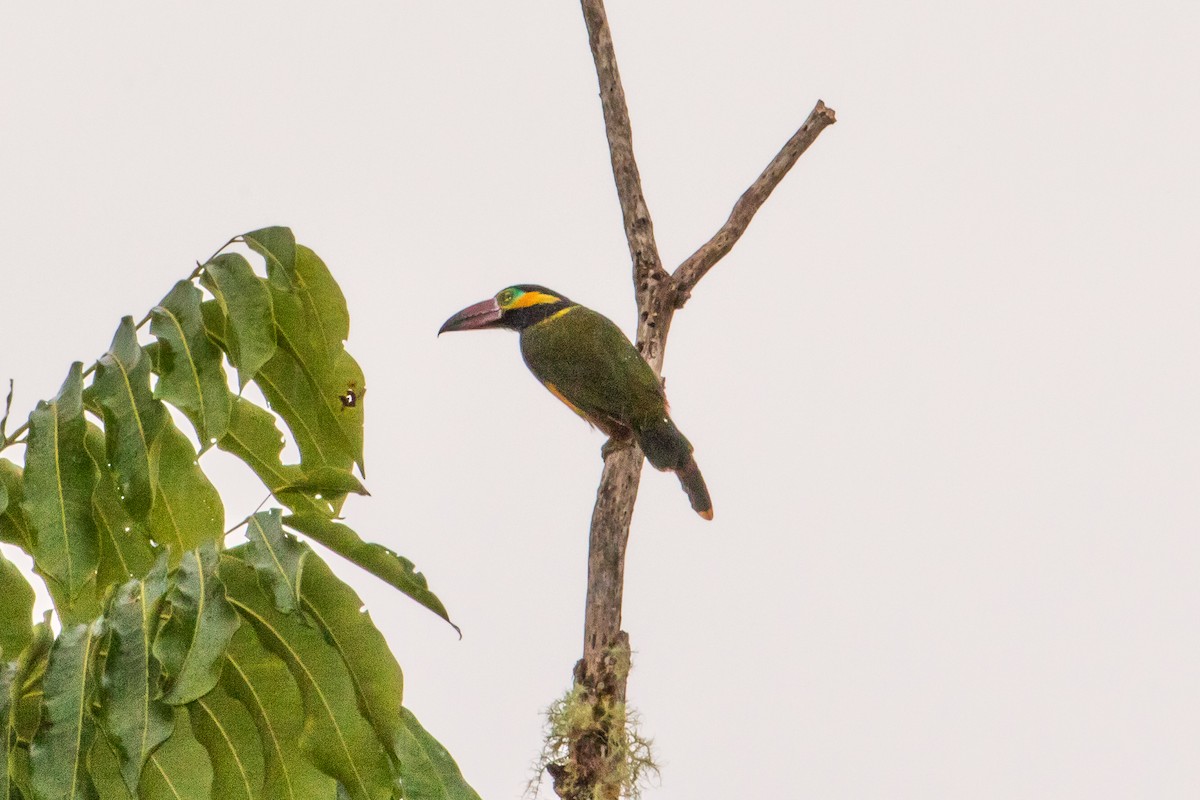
(378, 683)
(8, 675)
(346, 376)
(277, 557)
(336, 738)
(187, 509)
(374, 558)
(16, 610)
(20, 711)
(327, 482)
(26, 709)
(277, 246)
(192, 378)
(253, 437)
(245, 302)
(125, 549)
(58, 755)
(307, 399)
(227, 731)
(20, 706)
(14, 524)
(318, 318)
(263, 684)
(313, 324)
(191, 642)
(132, 715)
(340, 614)
(59, 479)
(179, 770)
(106, 771)
(132, 417)
(427, 771)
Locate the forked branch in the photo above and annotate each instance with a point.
(697, 265)
(592, 768)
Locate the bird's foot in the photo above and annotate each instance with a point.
(614, 444)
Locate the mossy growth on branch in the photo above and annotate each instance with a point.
(576, 715)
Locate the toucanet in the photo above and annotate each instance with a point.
(587, 362)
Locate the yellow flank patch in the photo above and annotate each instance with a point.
(533, 299)
(554, 391)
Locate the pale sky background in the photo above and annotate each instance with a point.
(945, 392)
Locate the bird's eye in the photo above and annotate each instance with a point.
(506, 297)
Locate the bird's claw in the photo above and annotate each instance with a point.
(613, 445)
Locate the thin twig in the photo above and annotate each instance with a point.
(700, 262)
(248, 516)
(10, 440)
(7, 408)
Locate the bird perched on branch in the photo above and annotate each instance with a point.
(587, 362)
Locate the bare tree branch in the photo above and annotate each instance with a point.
(700, 262)
(591, 769)
(639, 229)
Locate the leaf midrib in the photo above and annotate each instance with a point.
(315, 686)
(191, 365)
(266, 722)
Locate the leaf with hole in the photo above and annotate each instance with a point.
(313, 324)
(306, 397)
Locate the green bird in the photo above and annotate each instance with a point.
(587, 362)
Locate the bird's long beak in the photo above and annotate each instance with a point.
(481, 315)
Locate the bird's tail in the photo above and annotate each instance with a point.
(666, 448)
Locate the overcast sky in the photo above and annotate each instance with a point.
(944, 391)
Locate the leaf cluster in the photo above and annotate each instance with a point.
(184, 668)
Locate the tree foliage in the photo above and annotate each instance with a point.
(183, 667)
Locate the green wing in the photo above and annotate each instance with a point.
(588, 362)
